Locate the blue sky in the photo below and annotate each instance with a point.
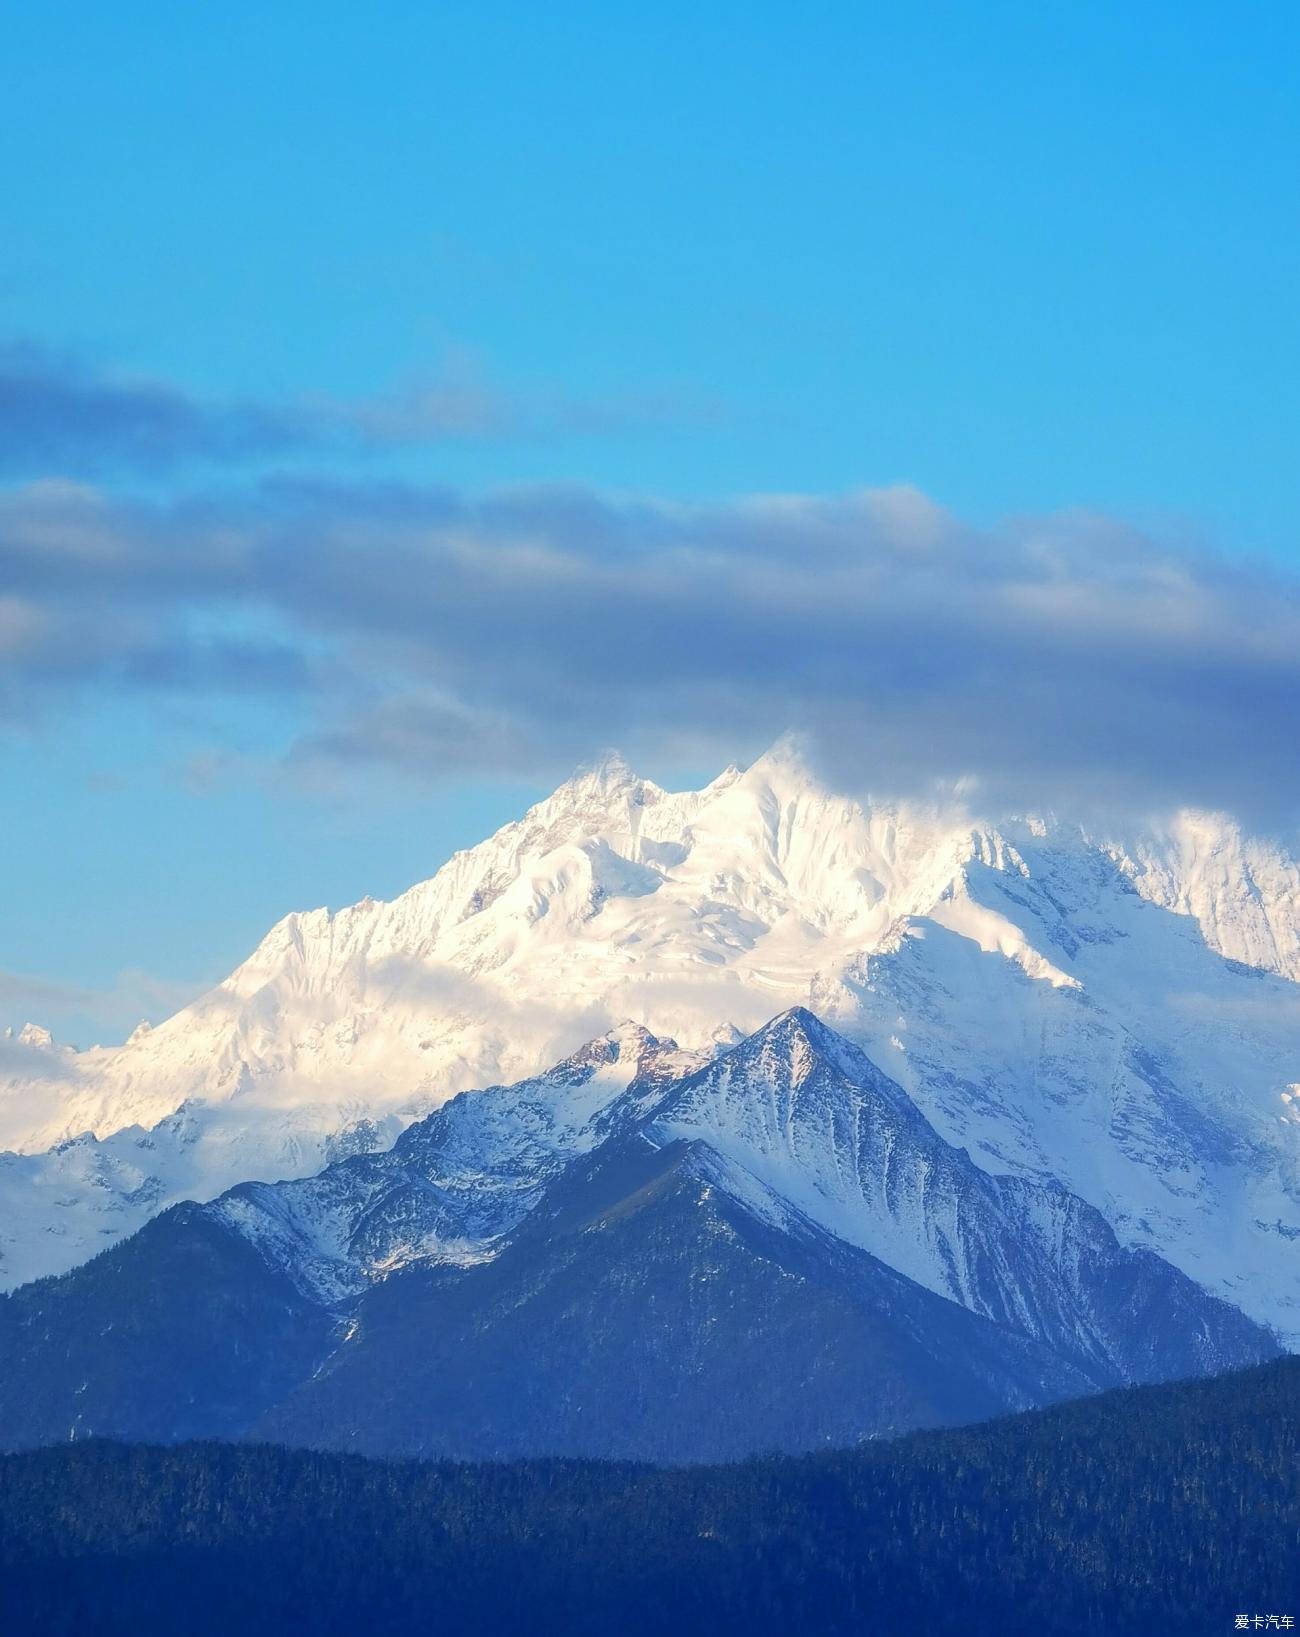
(1032, 261)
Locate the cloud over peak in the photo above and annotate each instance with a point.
(1053, 661)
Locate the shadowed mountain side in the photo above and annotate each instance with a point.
(645, 1312)
(182, 1332)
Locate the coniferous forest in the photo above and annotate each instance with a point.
(1153, 1510)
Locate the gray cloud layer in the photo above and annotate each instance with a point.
(1056, 661)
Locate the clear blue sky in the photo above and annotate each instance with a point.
(1024, 256)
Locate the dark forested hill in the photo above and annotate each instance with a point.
(1155, 1510)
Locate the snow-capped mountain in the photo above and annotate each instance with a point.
(803, 1129)
(1118, 1013)
(459, 1179)
(593, 1261)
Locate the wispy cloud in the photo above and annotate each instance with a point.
(1053, 660)
(59, 416)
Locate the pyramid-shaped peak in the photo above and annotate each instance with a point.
(789, 770)
(795, 1069)
(627, 1043)
(724, 781)
(790, 755)
(605, 786)
(797, 1022)
(631, 1039)
(790, 1046)
(609, 769)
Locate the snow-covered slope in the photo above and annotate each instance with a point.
(1120, 1013)
(454, 1182)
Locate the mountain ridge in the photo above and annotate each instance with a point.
(611, 1259)
(1122, 1017)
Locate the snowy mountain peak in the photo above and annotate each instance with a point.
(608, 771)
(787, 1049)
(622, 1054)
(1120, 1012)
(32, 1034)
(786, 1093)
(787, 763)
